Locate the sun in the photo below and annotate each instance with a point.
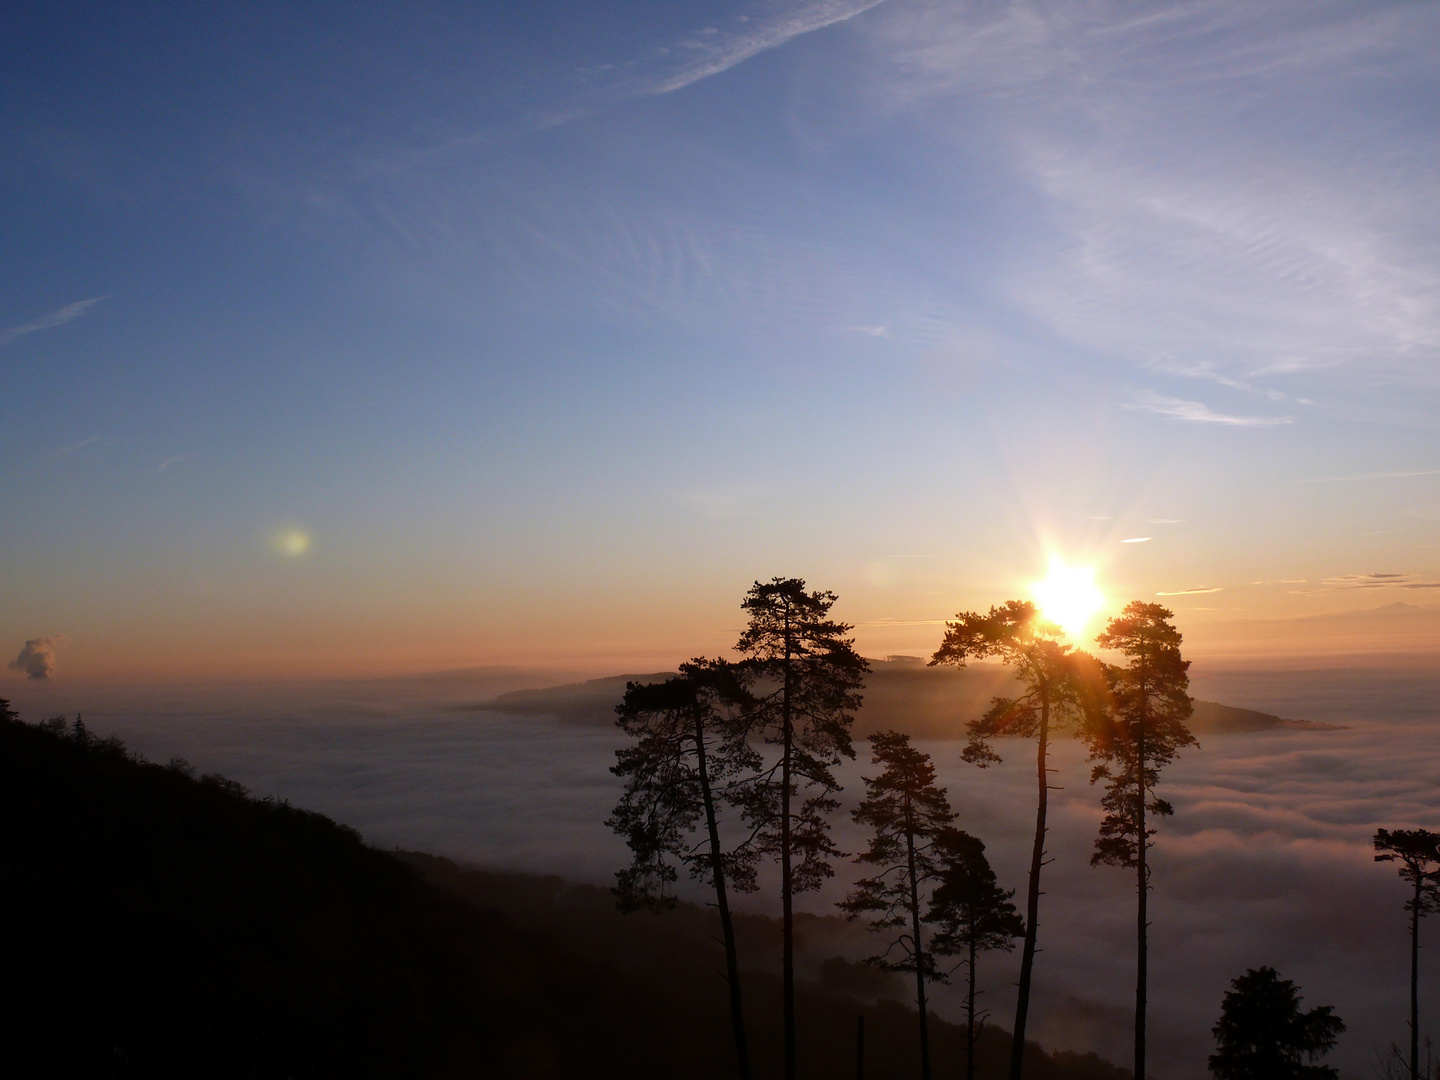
(1069, 596)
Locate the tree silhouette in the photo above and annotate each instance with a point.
(811, 677)
(1263, 1035)
(905, 811)
(1418, 853)
(973, 913)
(690, 755)
(1059, 685)
(1145, 731)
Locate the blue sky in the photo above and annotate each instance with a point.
(552, 326)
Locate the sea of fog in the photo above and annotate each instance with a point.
(1268, 859)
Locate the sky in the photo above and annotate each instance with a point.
(357, 338)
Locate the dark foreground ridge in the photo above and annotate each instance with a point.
(164, 925)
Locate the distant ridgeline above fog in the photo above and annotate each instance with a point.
(901, 694)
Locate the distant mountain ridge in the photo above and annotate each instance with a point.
(901, 693)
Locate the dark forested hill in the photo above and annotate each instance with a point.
(160, 925)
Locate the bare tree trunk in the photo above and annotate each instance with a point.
(786, 884)
(722, 902)
(1032, 898)
(919, 950)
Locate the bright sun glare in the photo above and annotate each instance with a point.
(1069, 596)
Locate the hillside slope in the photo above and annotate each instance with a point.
(166, 925)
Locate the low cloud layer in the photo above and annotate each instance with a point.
(37, 658)
(1268, 859)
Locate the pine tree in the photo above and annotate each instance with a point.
(811, 679)
(1142, 733)
(691, 758)
(905, 811)
(973, 914)
(1059, 685)
(1418, 853)
(1263, 1035)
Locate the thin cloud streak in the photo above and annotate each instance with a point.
(728, 52)
(58, 317)
(70, 448)
(1371, 476)
(1196, 412)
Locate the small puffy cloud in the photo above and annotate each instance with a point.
(37, 658)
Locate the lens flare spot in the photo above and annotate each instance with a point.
(291, 543)
(1069, 596)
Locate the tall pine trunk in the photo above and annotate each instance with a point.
(919, 950)
(722, 902)
(970, 1014)
(786, 883)
(1415, 982)
(1142, 885)
(1032, 897)
(1142, 955)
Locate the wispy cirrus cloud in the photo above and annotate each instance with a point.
(58, 317)
(713, 50)
(1191, 592)
(1196, 412)
(1192, 233)
(70, 448)
(1378, 581)
(672, 63)
(1371, 476)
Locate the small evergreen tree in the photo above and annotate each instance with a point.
(690, 758)
(1263, 1035)
(905, 811)
(1418, 853)
(811, 677)
(1142, 733)
(973, 914)
(1059, 685)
